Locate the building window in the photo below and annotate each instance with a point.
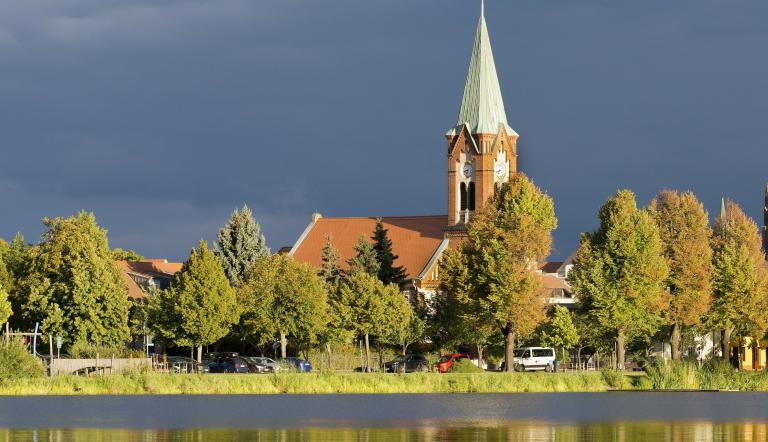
(471, 196)
(463, 193)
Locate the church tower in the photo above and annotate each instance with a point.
(482, 147)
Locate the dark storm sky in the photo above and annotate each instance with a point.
(162, 116)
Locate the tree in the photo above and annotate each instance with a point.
(240, 244)
(365, 259)
(199, 307)
(283, 297)
(388, 272)
(400, 325)
(619, 272)
(330, 272)
(5, 306)
(119, 254)
(685, 234)
(740, 280)
(506, 238)
(72, 286)
(560, 332)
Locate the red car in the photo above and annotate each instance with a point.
(444, 363)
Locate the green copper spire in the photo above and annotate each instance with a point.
(482, 107)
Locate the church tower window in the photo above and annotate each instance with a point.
(471, 196)
(463, 196)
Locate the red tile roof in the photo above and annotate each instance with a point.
(414, 239)
(148, 268)
(550, 267)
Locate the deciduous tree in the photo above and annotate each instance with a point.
(283, 297)
(740, 280)
(560, 331)
(72, 286)
(507, 237)
(620, 272)
(199, 307)
(685, 234)
(240, 243)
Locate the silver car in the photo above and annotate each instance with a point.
(270, 364)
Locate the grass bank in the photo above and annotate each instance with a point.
(304, 383)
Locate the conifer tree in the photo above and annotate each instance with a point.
(365, 258)
(506, 238)
(620, 273)
(388, 272)
(330, 272)
(240, 243)
(685, 233)
(73, 287)
(740, 277)
(199, 307)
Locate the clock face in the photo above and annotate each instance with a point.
(499, 170)
(468, 169)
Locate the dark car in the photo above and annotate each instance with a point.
(230, 365)
(297, 364)
(407, 364)
(181, 364)
(445, 363)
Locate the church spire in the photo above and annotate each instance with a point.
(482, 106)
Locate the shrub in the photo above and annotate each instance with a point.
(81, 350)
(16, 362)
(615, 379)
(465, 366)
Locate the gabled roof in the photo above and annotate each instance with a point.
(414, 239)
(153, 268)
(482, 106)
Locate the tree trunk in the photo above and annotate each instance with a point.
(509, 350)
(199, 354)
(283, 345)
(620, 338)
(367, 354)
(330, 359)
(725, 343)
(676, 353)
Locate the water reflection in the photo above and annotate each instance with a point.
(518, 431)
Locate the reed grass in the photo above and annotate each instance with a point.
(140, 383)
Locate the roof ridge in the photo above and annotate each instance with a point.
(382, 217)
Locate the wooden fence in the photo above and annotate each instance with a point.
(96, 366)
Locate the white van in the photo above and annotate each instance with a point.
(534, 358)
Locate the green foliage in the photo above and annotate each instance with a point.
(240, 244)
(73, 286)
(199, 307)
(400, 326)
(83, 350)
(330, 272)
(365, 259)
(491, 277)
(16, 362)
(560, 331)
(282, 295)
(740, 279)
(465, 366)
(673, 375)
(615, 379)
(119, 254)
(685, 233)
(5, 306)
(619, 272)
(388, 272)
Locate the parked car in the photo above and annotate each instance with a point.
(230, 365)
(534, 358)
(296, 364)
(270, 365)
(444, 363)
(407, 364)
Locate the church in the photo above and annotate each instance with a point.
(481, 153)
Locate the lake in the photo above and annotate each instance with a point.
(552, 416)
